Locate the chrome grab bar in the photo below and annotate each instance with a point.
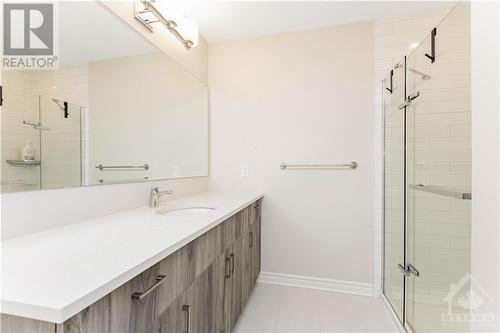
(108, 167)
(352, 165)
(139, 296)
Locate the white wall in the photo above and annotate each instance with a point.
(485, 18)
(302, 97)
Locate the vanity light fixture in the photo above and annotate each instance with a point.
(184, 29)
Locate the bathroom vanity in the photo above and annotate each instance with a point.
(183, 272)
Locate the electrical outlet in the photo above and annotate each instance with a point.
(244, 170)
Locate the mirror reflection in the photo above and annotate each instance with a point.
(116, 110)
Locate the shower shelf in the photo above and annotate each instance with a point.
(22, 163)
(442, 190)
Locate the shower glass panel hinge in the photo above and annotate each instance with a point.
(408, 270)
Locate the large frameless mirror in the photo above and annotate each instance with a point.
(117, 109)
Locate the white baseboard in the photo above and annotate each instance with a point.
(349, 287)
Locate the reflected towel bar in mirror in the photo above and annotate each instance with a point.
(351, 165)
(123, 181)
(110, 167)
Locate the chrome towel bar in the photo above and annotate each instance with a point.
(108, 167)
(351, 165)
(442, 190)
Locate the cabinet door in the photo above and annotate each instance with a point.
(109, 314)
(256, 250)
(175, 319)
(237, 280)
(247, 252)
(224, 288)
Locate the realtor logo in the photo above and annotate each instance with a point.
(465, 299)
(28, 36)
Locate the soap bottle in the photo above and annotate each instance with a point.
(28, 152)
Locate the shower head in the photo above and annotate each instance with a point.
(58, 102)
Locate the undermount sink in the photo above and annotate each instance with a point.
(188, 209)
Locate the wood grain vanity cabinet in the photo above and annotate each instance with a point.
(201, 288)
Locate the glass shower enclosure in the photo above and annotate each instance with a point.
(427, 187)
(53, 127)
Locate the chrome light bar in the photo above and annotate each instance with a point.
(149, 8)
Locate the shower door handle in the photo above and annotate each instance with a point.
(404, 270)
(412, 270)
(408, 270)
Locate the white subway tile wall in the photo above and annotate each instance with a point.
(18, 107)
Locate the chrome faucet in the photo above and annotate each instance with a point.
(154, 196)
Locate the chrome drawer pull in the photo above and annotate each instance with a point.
(250, 239)
(232, 262)
(185, 308)
(140, 296)
(227, 268)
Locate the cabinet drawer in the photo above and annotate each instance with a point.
(109, 314)
(15, 324)
(204, 250)
(156, 288)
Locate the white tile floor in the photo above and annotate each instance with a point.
(275, 308)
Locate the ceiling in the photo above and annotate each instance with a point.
(228, 20)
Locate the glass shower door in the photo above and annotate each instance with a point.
(438, 168)
(394, 233)
(61, 143)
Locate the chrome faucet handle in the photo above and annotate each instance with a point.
(155, 194)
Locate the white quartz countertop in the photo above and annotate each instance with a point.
(54, 274)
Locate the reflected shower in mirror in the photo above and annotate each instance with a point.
(117, 109)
